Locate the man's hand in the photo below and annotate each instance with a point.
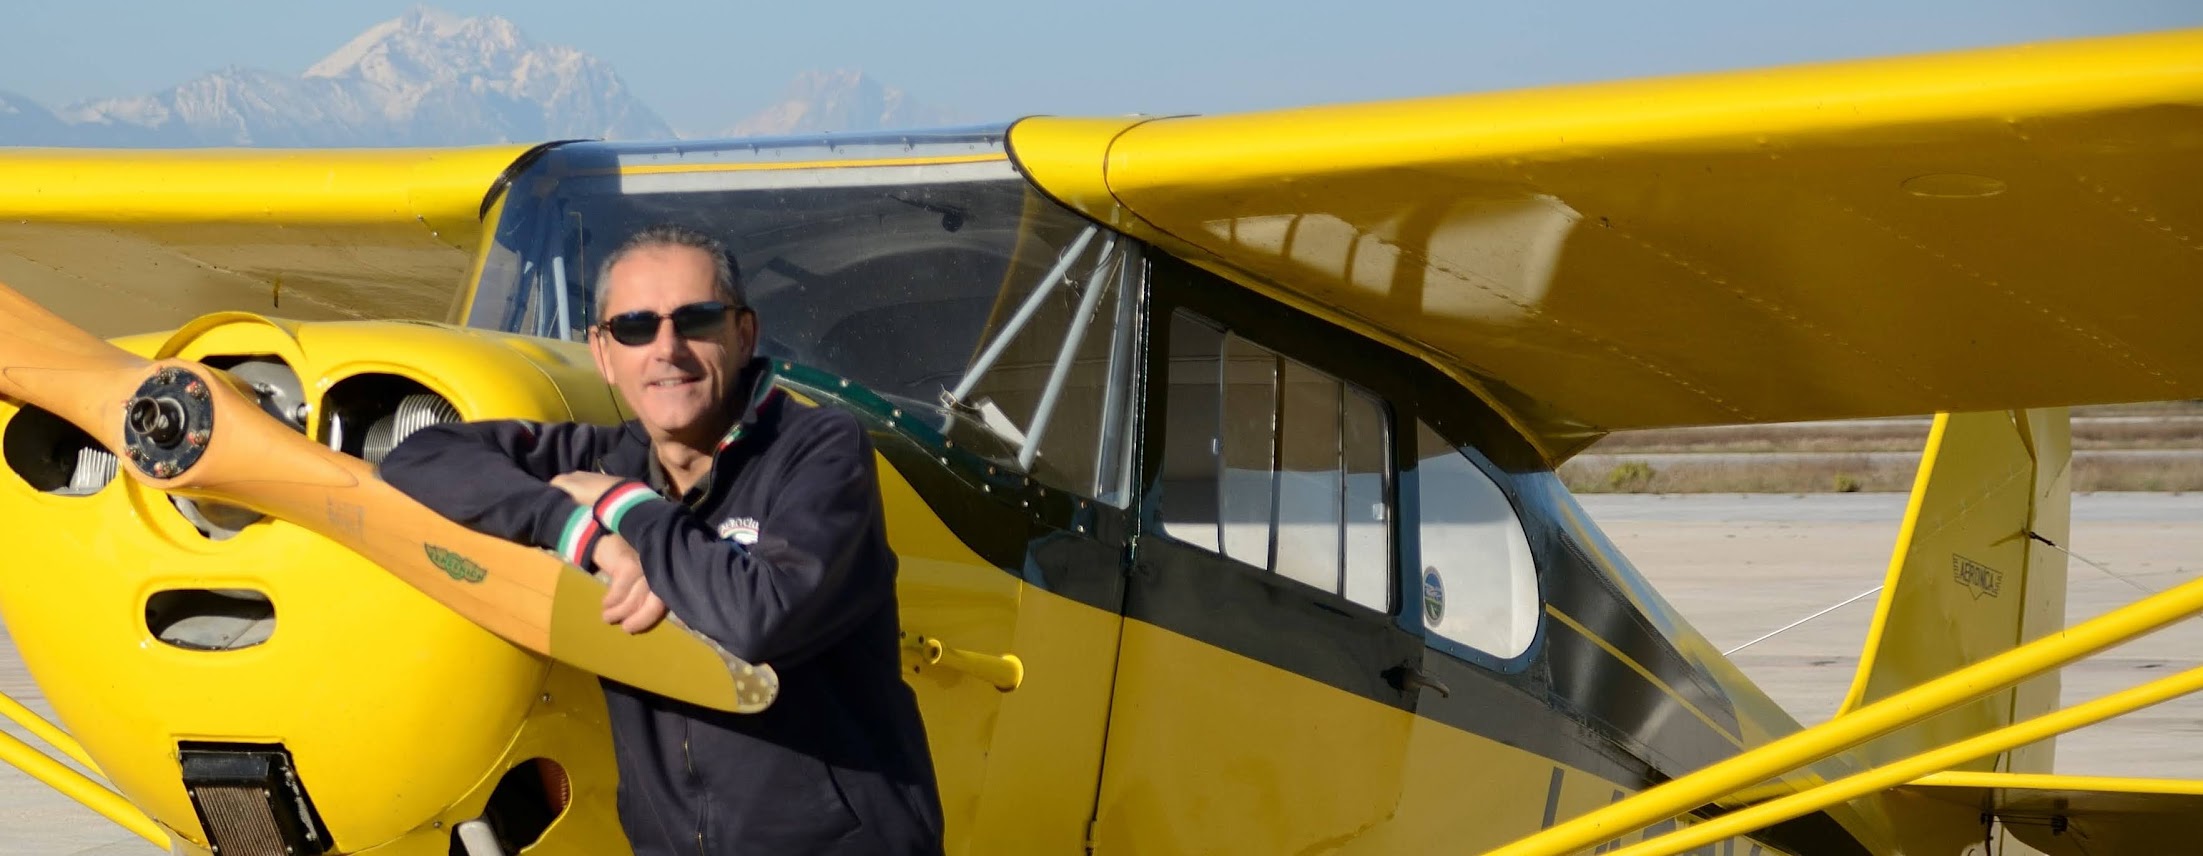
(629, 603)
(585, 487)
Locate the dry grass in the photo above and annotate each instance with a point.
(1834, 473)
(1846, 473)
(1881, 436)
(2190, 407)
(1817, 457)
(2094, 475)
(1891, 436)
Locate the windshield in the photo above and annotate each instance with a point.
(936, 277)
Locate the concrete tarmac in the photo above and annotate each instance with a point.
(1737, 567)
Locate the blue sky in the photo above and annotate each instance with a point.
(705, 62)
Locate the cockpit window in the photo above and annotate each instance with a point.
(946, 285)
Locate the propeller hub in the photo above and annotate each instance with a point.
(166, 426)
(160, 420)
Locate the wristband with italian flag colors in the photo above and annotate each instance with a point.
(622, 498)
(577, 542)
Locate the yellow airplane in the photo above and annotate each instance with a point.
(1218, 453)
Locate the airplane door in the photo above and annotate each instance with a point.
(1263, 688)
(1012, 536)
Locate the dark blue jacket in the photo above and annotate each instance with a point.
(780, 554)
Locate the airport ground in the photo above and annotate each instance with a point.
(1737, 566)
(2152, 447)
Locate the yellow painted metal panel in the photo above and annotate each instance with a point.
(125, 241)
(1213, 752)
(1989, 229)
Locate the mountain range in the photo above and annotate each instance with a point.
(430, 78)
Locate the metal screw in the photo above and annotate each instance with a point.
(195, 389)
(163, 469)
(198, 438)
(130, 452)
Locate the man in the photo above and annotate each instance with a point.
(754, 519)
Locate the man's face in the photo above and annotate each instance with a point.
(678, 387)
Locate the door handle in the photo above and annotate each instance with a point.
(1404, 678)
(1006, 672)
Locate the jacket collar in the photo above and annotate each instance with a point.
(756, 379)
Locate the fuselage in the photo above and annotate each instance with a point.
(1183, 568)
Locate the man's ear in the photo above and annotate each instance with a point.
(745, 325)
(598, 354)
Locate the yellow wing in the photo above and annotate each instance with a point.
(2079, 815)
(1987, 230)
(131, 241)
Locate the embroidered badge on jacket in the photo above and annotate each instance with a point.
(740, 530)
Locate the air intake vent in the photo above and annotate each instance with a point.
(250, 800)
(53, 456)
(210, 620)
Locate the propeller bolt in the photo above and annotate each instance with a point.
(195, 389)
(130, 452)
(163, 469)
(197, 438)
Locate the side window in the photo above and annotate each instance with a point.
(1275, 464)
(1478, 582)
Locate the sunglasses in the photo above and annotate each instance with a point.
(694, 321)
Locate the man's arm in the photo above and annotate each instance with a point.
(805, 582)
(492, 477)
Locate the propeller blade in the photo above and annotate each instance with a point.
(184, 428)
(77, 376)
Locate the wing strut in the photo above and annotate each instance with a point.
(1686, 794)
(77, 786)
(47, 731)
(1745, 821)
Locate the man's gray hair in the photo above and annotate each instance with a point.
(725, 276)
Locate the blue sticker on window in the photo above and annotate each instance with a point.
(1434, 597)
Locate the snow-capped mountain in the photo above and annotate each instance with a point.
(427, 78)
(25, 122)
(839, 100)
(430, 78)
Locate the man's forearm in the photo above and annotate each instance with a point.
(483, 475)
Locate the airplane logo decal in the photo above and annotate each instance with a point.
(1982, 579)
(454, 565)
(1434, 597)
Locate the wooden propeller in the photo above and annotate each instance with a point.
(185, 428)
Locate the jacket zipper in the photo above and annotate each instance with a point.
(703, 807)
